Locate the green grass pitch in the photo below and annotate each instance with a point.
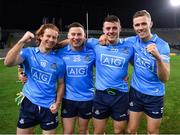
(9, 86)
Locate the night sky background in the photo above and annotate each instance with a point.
(29, 14)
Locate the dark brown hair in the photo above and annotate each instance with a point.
(112, 18)
(75, 24)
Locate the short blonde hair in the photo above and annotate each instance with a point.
(142, 13)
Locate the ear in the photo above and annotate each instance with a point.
(120, 28)
(40, 37)
(103, 29)
(68, 35)
(151, 24)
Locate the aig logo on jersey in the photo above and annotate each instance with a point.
(54, 66)
(40, 76)
(87, 58)
(76, 71)
(144, 63)
(112, 61)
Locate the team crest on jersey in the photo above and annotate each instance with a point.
(54, 66)
(87, 58)
(32, 58)
(43, 63)
(76, 58)
(125, 50)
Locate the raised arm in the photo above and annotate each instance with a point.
(163, 68)
(13, 57)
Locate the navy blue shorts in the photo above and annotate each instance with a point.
(150, 105)
(108, 104)
(30, 115)
(72, 108)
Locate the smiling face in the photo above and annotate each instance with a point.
(111, 30)
(142, 26)
(49, 38)
(76, 35)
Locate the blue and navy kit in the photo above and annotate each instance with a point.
(145, 78)
(42, 70)
(79, 73)
(112, 64)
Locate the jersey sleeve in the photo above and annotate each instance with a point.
(165, 52)
(24, 53)
(91, 42)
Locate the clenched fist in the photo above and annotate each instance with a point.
(28, 36)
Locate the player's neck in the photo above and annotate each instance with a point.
(44, 50)
(113, 42)
(77, 48)
(146, 39)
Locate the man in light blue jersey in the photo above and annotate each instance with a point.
(111, 96)
(151, 70)
(44, 88)
(78, 97)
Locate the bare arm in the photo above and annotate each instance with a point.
(163, 69)
(63, 43)
(13, 58)
(60, 92)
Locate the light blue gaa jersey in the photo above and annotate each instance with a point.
(79, 73)
(112, 64)
(43, 71)
(145, 78)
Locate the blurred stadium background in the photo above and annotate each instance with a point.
(172, 35)
(18, 16)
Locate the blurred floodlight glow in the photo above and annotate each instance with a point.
(175, 3)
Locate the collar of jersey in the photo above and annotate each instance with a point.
(153, 39)
(120, 41)
(37, 50)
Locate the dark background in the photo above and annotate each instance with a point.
(29, 14)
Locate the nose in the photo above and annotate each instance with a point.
(51, 39)
(76, 36)
(140, 26)
(111, 30)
